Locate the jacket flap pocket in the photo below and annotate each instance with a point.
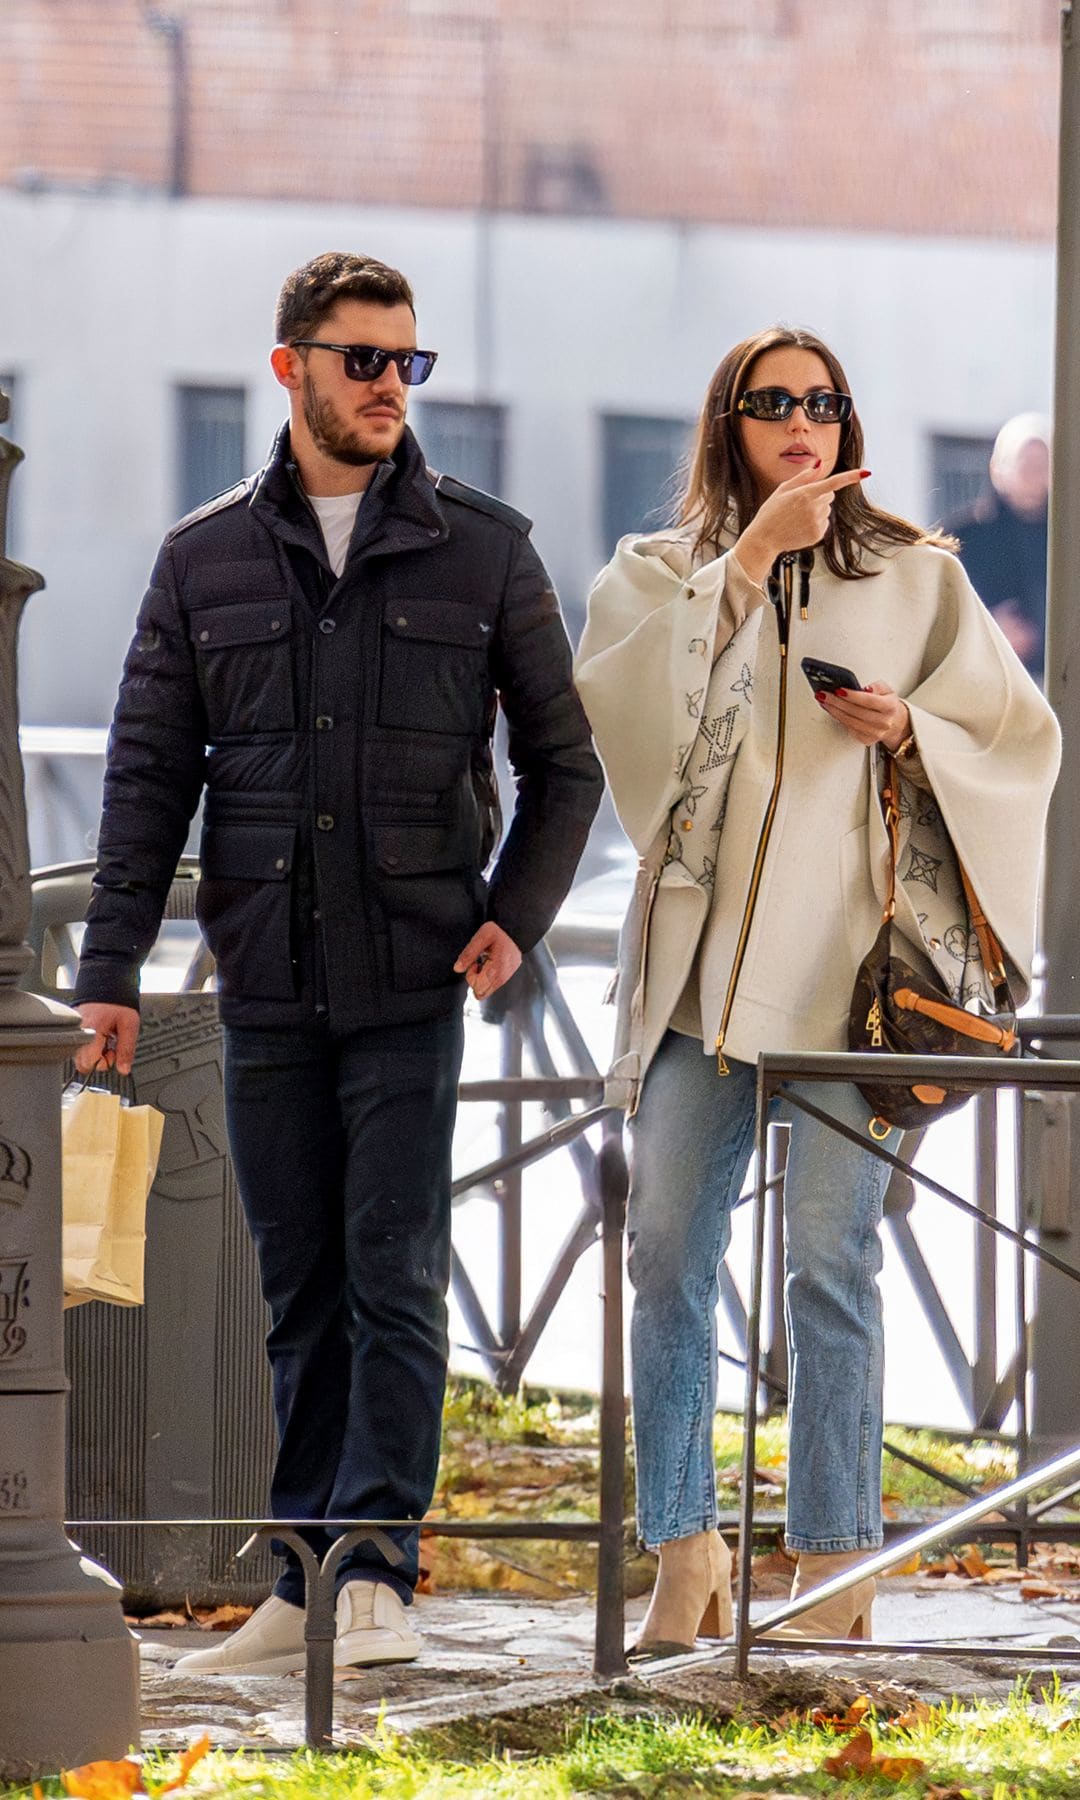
(435, 623)
(416, 849)
(248, 852)
(246, 622)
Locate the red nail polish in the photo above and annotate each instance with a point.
(841, 693)
(820, 698)
(864, 473)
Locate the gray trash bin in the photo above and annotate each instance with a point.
(170, 1413)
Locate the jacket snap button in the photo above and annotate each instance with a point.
(324, 722)
(401, 624)
(392, 859)
(325, 821)
(275, 624)
(280, 864)
(433, 531)
(204, 637)
(326, 625)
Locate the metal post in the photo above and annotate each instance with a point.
(508, 1191)
(69, 1679)
(984, 1372)
(609, 1656)
(1056, 1397)
(774, 1360)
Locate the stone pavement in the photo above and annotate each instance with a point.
(488, 1655)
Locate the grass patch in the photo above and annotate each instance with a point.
(1027, 1748)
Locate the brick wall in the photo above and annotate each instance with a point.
(934, 116)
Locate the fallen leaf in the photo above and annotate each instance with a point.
(917, 1714)
(854, 1759)
(1041, 1590)
(104, 1780)
(948, 1566)
(849, 1721)
(193, 1754)
(222, 1618)
(36, 1791)
(898, 1768)
(163, 1619)
(974, 1564)
(911, 1567)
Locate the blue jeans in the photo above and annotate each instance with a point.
(341, 1148)
(693, 1138)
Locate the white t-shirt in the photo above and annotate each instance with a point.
(336, 514)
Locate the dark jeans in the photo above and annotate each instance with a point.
(342, 1156)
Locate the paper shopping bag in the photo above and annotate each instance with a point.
(110, 1156)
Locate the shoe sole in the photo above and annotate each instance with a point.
(269, 1665)
(373, 1658)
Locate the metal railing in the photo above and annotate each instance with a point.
(525, 1012)
(1009, 1504)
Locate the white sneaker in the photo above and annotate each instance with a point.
(373, 1626)
(270, 1643)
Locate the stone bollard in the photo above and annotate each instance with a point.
(69, 1679)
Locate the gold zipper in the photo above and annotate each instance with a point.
(782, 601)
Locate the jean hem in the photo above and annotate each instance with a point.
(832, 1546)
(683, 1530)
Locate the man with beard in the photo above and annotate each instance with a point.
(322, 648)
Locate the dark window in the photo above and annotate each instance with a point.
(463, 440)
(958, 473)
(641, 460)
(211, 443)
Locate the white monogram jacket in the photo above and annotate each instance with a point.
(690, 749)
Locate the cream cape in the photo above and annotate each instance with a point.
(989, 746)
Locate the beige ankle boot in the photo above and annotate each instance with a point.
(692, 1596)
(846, 1616)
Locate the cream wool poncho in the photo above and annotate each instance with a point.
(689, 746)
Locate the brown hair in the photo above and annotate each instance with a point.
(313, 291)
(720, 492)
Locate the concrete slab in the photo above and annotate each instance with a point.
(488, 1655)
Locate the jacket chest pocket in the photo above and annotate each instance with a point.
(434, 667)
(244, 659)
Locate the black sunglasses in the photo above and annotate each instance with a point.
(365, 362)
(821, 405)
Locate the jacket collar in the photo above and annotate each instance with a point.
(410, 516)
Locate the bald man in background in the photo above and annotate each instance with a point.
(1003, 537)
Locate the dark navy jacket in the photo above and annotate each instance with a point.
(342, 729)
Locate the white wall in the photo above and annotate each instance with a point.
(107, 302)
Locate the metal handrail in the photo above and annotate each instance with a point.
(775, 1074)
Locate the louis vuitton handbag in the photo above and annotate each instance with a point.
(898, 1011)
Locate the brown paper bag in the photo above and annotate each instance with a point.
(110, 1155)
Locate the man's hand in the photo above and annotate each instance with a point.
(116, 1032)
(488, 960)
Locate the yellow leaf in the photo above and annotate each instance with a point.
(911, 1567)
(193, 1754)
(898, 1768)
(103, 1780)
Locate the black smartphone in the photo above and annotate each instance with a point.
(826, 677)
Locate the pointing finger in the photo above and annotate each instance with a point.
(831, 484)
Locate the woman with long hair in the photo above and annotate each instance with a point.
(753, 799)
